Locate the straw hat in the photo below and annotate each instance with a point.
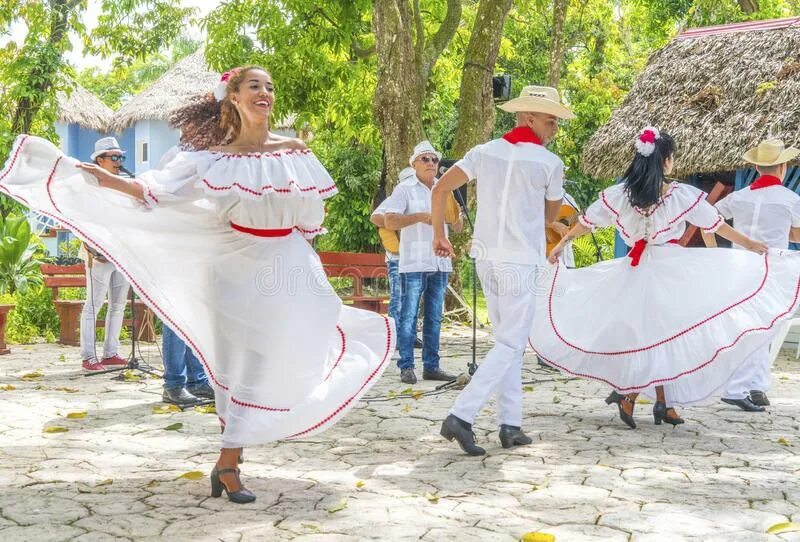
(535, 99)
(771, 152)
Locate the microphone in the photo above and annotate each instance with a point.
(460, 381)
(124, 170)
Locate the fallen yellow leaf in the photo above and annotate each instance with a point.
(166, 409)
(556, 399)
(360, 484)
(433, 499)
(338, 508)
(538, 537)
(407, 391)
(67, 390)
(417, 395)
(192, 475)
(407, 408)
(54, 429)
(7, 387)
(527, 388)
(644, 401)
(106, 482)
(784, 528)
(130, 376)
(206, 409)
(174, 427)
(32, 376)
(76, 415)
(783, 442)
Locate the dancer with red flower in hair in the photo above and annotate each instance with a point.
(222, 256)
(673, 323)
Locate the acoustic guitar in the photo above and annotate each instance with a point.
(567, 215)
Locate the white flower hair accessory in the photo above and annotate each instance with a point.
(646, 140)
(221, 90)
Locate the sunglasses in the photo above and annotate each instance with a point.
(428, 159)
(114, 157)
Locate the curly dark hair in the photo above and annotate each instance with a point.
(204, 122)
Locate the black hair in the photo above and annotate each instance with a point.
(645, 176)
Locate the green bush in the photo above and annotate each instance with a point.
(20, 253)
(34, 316)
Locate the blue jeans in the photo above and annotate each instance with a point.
(394, 290)
(430, 288)
(181, 366)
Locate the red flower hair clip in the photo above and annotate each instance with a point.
(221, 90)
(646, 141)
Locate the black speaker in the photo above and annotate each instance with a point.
(501, 87)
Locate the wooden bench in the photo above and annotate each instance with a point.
(358, 266)
(69, 310)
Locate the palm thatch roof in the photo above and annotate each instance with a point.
(83, 108)
(718, 91)
(189, 77)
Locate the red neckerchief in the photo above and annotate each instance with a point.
(765, 181)
(522, 134)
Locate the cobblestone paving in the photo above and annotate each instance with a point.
(384, 472)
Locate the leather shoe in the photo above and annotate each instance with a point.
(202, 391)
(437, 374)
(407, 376)
(178, 396)
(759, 398)
(417, 343)
(745, 404)
(513, 436)
(456, 428)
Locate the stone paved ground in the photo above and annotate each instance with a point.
(384, 473)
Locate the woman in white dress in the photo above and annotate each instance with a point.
(222, 257)
(666, 317)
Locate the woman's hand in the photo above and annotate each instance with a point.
(99, 173)
(442, 247)
(757, 247)
(555, 254)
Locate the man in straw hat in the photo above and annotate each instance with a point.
(520, 188)
(769, 212)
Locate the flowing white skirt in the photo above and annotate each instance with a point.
(285, 358)
(685, 318)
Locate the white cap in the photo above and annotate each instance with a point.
(424, 147)
(105, 144)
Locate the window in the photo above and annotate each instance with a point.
(142, 152)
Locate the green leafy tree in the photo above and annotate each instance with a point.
(19, 256)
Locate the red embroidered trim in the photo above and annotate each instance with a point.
(667, 195)
(268, 188)
(50, 181)
(663, 341)
(344, 405)
(671, 222)
(684, 373)
(275, 154)
(147, 189)
(13, 161)
(586, 222)
(622, 229)
(715, 224)
(344, 347)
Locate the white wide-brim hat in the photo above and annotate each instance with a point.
(423, 147)
(771, 152)
(104, 145)
(535, 99)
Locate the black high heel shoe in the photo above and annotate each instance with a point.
(668, 415)
(624, 416)
(243, 496)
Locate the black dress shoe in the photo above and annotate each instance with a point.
(513, 436)
(407, 376)
(178, 396)
(759, 398)
(543, 365)
(203, 391)
(438, 374)
(745, 404)
(456, 428)
(417, 343)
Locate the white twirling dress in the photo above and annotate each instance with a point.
(222, 258)
(684, 317)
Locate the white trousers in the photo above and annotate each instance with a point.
(754, 374)
(103, 278)
(510, 297)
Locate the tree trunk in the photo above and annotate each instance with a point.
(748, 6)
(46, 68)
(476, 103)
(558, 42)
(405, 62)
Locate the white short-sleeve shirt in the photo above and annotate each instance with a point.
(513, 181)
(416, 241)
(764, 214)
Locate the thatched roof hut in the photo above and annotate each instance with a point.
(83, 108)
(717, 90)
(189, 77)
